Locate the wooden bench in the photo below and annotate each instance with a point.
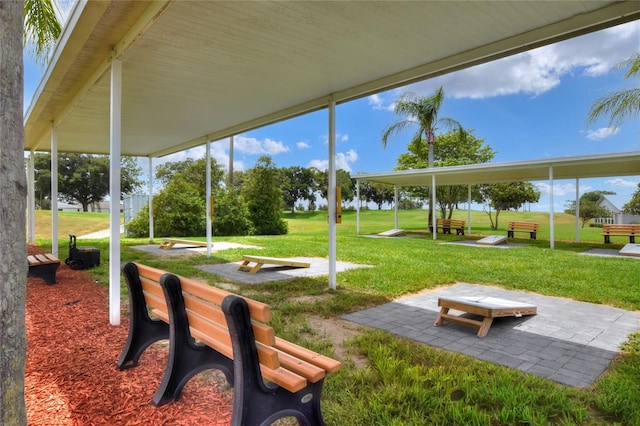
(620, 230)
(212, 328)
(486, 307)
(43, 266)
(168, 243)
(260, 261)
(448, 224)
(530, 227)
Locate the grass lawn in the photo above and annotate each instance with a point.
(387, 380)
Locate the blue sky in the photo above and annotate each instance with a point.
(527, 106)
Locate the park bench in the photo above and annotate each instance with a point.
(530, 227)
(620, 230)
(260, 261)
(212, 328)
(448, 224)
(168, 243)
(43, 266)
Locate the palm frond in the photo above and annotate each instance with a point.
(41, 26)
(619, 106)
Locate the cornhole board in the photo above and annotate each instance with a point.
(260, 261)
(492, 240)
(630, 250)
(486, 307)
(392, 233)
(168, 243)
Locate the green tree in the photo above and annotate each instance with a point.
(450, 150)
(620, 105)
(179, 209)
(633, 206)
(506, 196)
(589, 207)
(296, 184)
(343, 180)
(423, 113)
(82, 178)
(261, 191)
(231, 215)
(378, 193)
(36, 20)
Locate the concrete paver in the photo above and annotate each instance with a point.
(567, 341)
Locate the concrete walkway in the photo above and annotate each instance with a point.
(567, 341)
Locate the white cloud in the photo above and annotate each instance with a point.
(377, 102)
(623, 183)
(303, 145)
(558, 189)
(340, 137)
(343, 161)
(601, 133)
(255, 146)
(533, 72)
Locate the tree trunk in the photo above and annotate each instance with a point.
(13, 193)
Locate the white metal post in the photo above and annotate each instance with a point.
(433, 202)
(357, 207)
(208, 195)
(551, 218)
(469, 210)
(31, 199)
(115, 147)
(332, 193)
(54, 192)
(396, 196)
(577, 210)
(151, 200)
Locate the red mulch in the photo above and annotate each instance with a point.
(71, 374)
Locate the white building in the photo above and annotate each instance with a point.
(615, 204)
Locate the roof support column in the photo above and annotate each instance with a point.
(357, 207)
(433, 211)
(209, 198)
(31, 199)
(551, 218)
(577, 210)
(469, 209)
(332, 193)
(395, 205)
(115, 148)
(150, 199)
(230, 174)
(54, 191)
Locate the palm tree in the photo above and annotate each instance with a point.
(16, 18)
(423, 113)
(622, 104)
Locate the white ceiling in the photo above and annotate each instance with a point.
(195, 71)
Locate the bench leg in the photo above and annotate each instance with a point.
(607, 239)
(484, 328)
(632, 239)
(46, 271)
(186, 357)
(509, 234)
(254, 403)
(143, 330)
(533, 235)
(460, 231)
(440, 319)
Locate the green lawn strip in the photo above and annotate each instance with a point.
(408, 383)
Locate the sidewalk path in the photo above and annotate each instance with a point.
(100, 234)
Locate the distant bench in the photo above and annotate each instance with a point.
(530, 227)
(448, 224)
(620, 230)
(43, 266)
(260, 261)
(212, 328)
(168, 243)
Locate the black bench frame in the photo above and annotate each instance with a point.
(47, 271)
(255, 402)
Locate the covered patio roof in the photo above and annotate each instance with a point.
(194, 72)
(586, 166)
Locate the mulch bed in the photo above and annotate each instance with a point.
(71, 374)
